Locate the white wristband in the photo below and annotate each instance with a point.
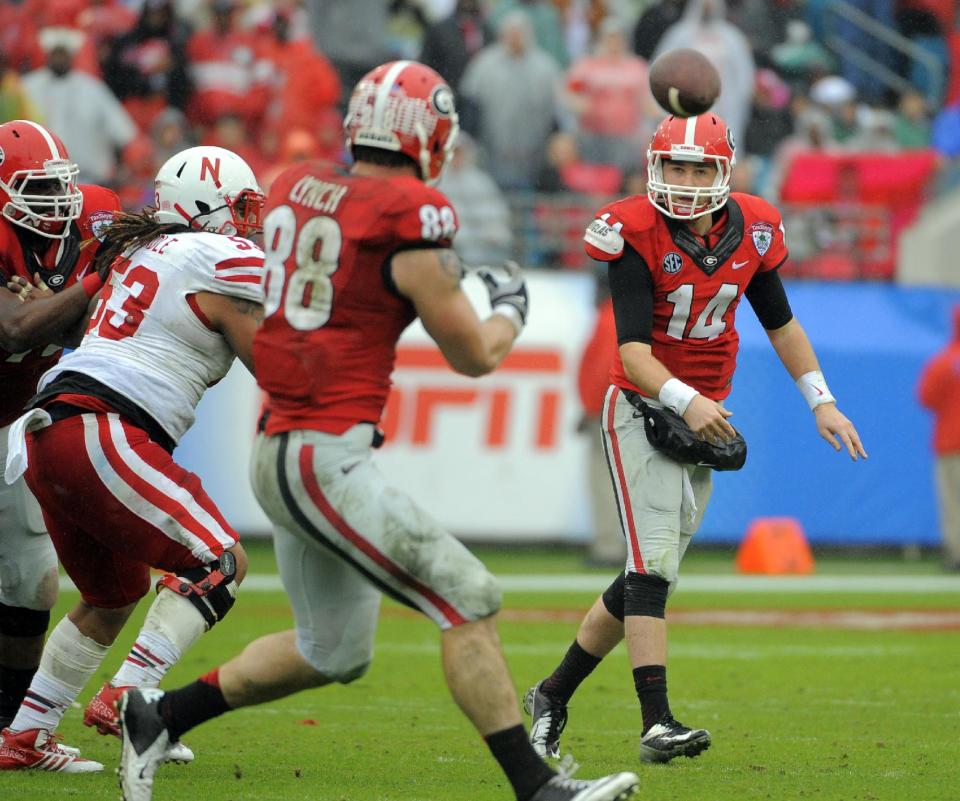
(814, 389)
(511, 312)
(676, 395)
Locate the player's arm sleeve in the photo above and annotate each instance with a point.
(768, 298)
(428, 220)
(631, 288)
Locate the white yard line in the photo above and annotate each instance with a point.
(593, 583)
(579, 582)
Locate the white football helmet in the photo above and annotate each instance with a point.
(210, 189)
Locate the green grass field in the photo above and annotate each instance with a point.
(808, 711)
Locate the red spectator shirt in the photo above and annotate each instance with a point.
(596, 362)
(327, 345)
(61, 264)
(939, 391)
(226, 77)
(696, 287)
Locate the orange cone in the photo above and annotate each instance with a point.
(775, 545)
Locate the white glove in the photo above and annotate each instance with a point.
(508, 295)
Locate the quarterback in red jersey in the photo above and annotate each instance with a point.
(352, 258)
(680, 259)
(49, 232)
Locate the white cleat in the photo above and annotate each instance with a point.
(179, 754)
(146, 742)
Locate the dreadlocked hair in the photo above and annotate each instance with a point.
(129, 232)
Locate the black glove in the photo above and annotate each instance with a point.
(669, 433)
(508, 293)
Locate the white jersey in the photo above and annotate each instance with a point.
(167, 356)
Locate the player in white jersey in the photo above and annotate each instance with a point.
(182, 298)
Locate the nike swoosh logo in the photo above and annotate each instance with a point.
(349, 467)
(738, 264)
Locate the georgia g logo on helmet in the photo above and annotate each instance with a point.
(442, 100)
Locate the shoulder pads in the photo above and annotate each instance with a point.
(605, 237)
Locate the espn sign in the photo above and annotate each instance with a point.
(496, 457)
(425, 389)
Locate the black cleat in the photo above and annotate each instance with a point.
(547, 720)
(617, 787)
(669, 738)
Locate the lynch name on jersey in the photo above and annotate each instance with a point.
(317, 195)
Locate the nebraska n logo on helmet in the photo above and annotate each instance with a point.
(701, 139)
(210, 189)
(405, 107)
(38, 182)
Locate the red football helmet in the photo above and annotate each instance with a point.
(38, 182)
(704, 138)
(408, 108)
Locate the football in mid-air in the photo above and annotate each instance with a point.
(684, 82)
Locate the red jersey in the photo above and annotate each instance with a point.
(596, 361)
(327, 345)
(939, 391)
(61, 263)
(697, 284)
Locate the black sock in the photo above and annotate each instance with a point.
(577, 664)
(192, 705)
(651, 684)
(14, 684)
(524, 769)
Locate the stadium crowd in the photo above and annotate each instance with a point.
(553, 92)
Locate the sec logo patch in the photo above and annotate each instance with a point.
(672, 262)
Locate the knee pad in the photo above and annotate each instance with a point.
(15, 621)
(211, 588)
(345, 662)
(645, 595)
(28, 575)
(479, 595)
(347, 676)
(613, 597)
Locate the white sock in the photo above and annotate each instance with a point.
(149, 660)
(69, 661)
(172, 625)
